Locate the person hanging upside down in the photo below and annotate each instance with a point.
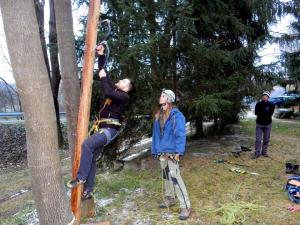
(114, 106)
(168, 144)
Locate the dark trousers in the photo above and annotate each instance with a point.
(91, 150)
(262, 138)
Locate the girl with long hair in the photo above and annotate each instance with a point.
(168, 144)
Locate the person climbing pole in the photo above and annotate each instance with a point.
(264, 111)
(116, 101)
(168, 145)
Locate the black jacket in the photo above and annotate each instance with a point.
(118, 100)
(264, 112)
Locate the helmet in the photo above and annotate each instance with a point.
(170, 95)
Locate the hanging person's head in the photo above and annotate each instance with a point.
(125, 85)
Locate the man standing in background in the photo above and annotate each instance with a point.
(264, 111)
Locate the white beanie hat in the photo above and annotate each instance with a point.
(170, 95)
(266, 93)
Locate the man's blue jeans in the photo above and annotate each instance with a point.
(91, 150)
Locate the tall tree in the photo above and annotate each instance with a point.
(220, 49)
(53, 72)
(30, 73)
(204, 50)
(55, 76)
(68, 67)
(291, 55)
(40, 14)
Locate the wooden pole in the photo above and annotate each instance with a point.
(85, 98)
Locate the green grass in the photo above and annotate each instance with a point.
(281, 127)
(218, 195)
(20, 217)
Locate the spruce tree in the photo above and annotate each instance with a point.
(204, 50)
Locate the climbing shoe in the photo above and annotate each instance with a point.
(264, 154)
(168, 202)
(185, 213)
(289, 167)
(245, 149)
(236, 153)
(74, 183)
(255, 156)
(87, 195)
(296, 169)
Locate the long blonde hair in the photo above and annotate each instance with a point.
(164, 114)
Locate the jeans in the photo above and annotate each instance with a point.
(92, 147)
(262, 138)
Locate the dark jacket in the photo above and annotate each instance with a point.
(118, 100)
(264, 112)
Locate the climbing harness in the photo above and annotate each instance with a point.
(235, 167)
(168, 156)
(95, 128)
(99, 120)
(237, 170)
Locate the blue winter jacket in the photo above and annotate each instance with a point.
(173, 137)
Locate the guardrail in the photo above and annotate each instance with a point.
(17, 114)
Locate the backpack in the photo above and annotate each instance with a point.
(293, 189)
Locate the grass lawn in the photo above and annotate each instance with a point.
(219, 193)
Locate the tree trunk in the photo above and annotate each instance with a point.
(153, 27)
(68, 67)
(55, 73)
(39, 10)
(55, 77)
(30, 73)
(199, 128)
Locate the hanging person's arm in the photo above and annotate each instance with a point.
(101, 62)
(101, 57)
